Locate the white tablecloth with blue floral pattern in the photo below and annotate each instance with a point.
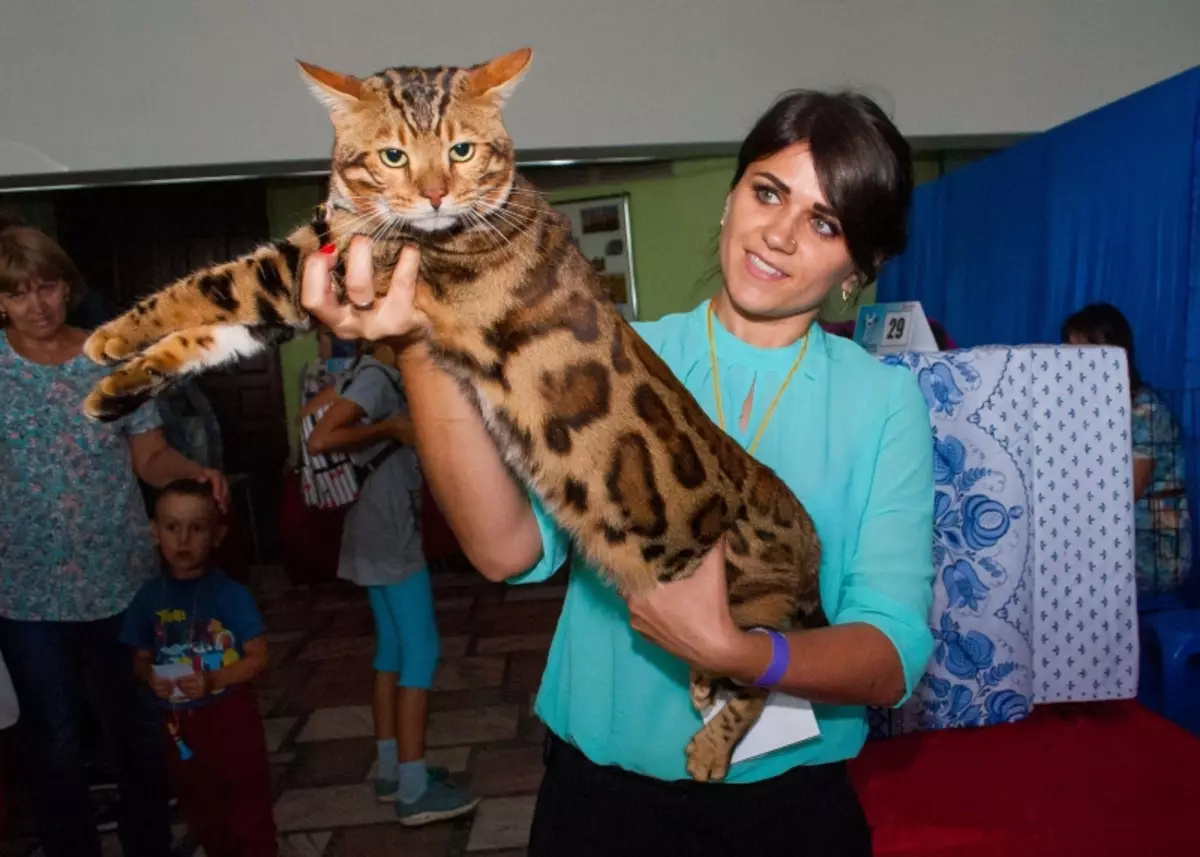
(1034, 600)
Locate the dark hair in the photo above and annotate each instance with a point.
(1104, 324)
(185, 488)
(863, 163)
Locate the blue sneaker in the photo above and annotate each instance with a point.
(441, 801)
(386, 790)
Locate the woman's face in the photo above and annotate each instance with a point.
(782, 247)
(36, 310)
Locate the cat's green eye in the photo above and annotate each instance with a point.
(461, 152)
(393, 157)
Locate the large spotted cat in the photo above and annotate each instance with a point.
(580, 407)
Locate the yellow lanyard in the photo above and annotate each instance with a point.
(712, 356)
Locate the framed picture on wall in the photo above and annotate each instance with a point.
(600, 227)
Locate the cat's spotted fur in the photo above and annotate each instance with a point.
(580, 407)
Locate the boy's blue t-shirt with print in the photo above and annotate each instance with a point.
(204, 622)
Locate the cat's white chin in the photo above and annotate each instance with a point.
(434, 222)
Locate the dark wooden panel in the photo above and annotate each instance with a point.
(128, 241)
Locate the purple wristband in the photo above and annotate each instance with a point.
(780, 656)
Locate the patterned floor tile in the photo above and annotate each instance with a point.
(332, 724)
(500, 772)
(331, 807)
(501, 822)
(393, 841)
(473, 726)
(267, 699)
(277, 729)
(468, 673)
(525, 670)
(334, 648)
(318, 694)
(536, 593)
(331, 763)
(513, 643)
(305, 844)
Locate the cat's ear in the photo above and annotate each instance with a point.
(338, 92)
(497, 78)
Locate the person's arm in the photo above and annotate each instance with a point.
(1143, 472)
(156, 463)
(1154, 433)
(326, 396)
(879, 644)
(486, 508)
(488, 511)
(340, 429)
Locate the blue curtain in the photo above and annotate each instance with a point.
(1103, 208)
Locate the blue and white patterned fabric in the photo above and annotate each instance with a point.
(1034, 597)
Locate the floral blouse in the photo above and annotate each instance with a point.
(74, 540)
(1161, 516)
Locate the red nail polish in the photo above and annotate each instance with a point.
(328, 249)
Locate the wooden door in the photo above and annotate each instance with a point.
(128, 241)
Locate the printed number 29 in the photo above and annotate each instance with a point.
(895, 327)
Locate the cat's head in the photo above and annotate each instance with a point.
(423, 148)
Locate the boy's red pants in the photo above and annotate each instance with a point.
(224, 789)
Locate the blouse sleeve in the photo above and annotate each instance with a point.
(1152, 428)
(555, 546)
(889, 583)
(145, 418)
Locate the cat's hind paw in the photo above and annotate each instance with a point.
(701, 691)
(707, 757)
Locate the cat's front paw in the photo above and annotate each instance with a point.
(106, 348)
(124, 390)
(707, 757)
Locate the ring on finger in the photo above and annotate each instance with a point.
(364, 307)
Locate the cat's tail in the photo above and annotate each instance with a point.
(211, 317)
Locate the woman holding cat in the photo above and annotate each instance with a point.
(818, 202)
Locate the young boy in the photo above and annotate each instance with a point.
(199, 643)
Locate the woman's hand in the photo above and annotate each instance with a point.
(690, 618)
(390, 316)
(220, 488)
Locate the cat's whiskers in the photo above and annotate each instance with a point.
(503, 239)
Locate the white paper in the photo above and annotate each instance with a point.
(173, 671)
(785, 721)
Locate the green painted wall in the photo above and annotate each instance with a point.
(674, 222)
(289, 204)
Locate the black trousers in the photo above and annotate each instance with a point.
(587, 810)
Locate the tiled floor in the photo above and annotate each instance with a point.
(316, 706)
(316, 702)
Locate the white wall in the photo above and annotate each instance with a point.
(104, 84)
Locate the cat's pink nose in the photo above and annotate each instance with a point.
(435, 195)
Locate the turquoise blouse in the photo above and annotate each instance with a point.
(851, 437)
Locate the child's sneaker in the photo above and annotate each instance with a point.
(442, 801)
(385, 790)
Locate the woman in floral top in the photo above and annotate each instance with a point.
(74, 548)
(1161, 517)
